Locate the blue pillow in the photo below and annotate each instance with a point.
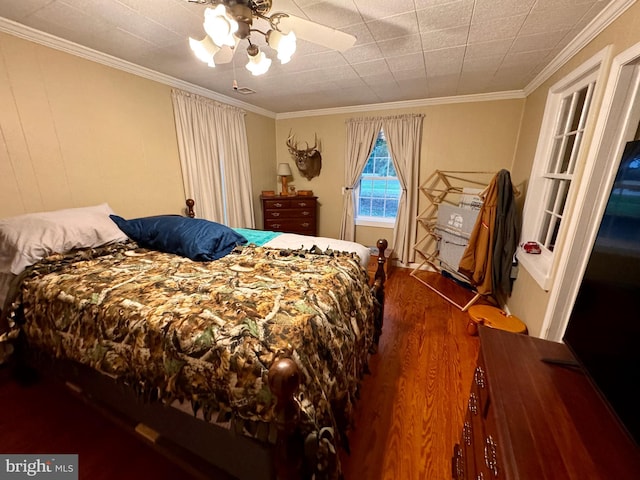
(194, 238)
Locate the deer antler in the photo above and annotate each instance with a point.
(293, 145)
(290, 142)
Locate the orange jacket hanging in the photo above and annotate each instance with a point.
(477, 259)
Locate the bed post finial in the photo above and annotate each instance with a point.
(190, 203)
(382, 245)
(284, 379)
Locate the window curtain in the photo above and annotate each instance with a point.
(361, 137)
(404, 138)
(214, 156)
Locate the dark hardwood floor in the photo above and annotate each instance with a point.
(408, 418)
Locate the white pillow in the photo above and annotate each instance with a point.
(26, 239)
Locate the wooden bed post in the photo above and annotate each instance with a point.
(378, 289)
(284, 380)
(382, 245)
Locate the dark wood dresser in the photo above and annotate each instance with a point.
(529, 419)
(294, 214)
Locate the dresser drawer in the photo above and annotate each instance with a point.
(285, 213)
(308, 203)
(276, 204)
(291, 225)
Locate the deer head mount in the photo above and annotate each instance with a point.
(308, 160)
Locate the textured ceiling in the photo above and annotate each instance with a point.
(405, 49)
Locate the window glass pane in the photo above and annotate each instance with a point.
(582, 95)
(565, 110)
(391, 208)
(556, 154)
(380, 148)
(567, 153)
(368, 168)
(553, 194)
(392, 168)
(381, 166)
(364, 206)
(554, 235)
(377, 188)
(393, 189)
(542, 236)
(367, 187)
(563, 193)
(377, 207)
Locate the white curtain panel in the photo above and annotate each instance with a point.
(234, 152)
(361, 137)
(404, 138)
(214, 155)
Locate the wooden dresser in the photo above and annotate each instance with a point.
(294, 214)
(529, 419)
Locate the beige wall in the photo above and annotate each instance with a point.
(78, 133)
(529, 302)
(75, 133)
(261, 132)
(463, 136)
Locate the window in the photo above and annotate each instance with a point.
(556, 161)
(562, 162)
(378, 191)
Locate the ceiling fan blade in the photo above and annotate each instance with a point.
(317, 33)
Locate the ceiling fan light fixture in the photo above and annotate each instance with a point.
(258, 63)
(204, 49)
(220, 26)
(227, 22)
(284, 44)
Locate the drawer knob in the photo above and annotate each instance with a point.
(276, 225)
(305, 224)
(479, 377)
(277, 204)
(473, 403)
(491, 456)
(275, 214)
(302, 204)
(466, 433)
(457, 463)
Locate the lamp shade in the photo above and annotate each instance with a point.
(284, 170)
(285, 45)
(220, 26)
(204, 49)
(258, 63)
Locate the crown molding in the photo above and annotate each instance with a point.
(423, 102)
(22, 31)
(610, 13)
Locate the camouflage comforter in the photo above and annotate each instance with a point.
(207, 333)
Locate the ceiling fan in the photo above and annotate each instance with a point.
(228, 22)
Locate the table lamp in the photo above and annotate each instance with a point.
(284, 171)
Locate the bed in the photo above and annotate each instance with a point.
(251, 361)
